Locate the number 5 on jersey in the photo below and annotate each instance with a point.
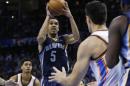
(53, 56)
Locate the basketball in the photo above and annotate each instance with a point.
(55, 5)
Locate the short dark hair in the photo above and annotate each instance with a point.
(97, 11)
(24, 60)
(54, 18)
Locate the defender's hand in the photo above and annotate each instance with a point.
(10, 83)
(58, 76)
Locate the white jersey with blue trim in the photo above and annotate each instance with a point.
(31, 83)
(105, 76)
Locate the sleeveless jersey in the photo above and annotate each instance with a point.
(104, 76)
(125, 42)
(125, 53)
(31, 83)
(53, 54)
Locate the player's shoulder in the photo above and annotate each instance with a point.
(90, 42)
(119, 19)
(14, 77)
(36, 81)
(118, 24)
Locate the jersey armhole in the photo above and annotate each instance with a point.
(34, 83)
(16, 80)
(103, 51)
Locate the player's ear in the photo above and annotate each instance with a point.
(88, 19)
(21, 67)
(58, 28)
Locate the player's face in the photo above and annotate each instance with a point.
(27, 67)
(53, 26)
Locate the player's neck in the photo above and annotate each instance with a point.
(54, 37)
(99, 28)
(26, 76)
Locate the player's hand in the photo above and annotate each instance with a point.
(66, 11)
(47, 11)
(10, 83)
(58, 76)
(52, 13)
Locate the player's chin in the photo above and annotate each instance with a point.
(28, 71)
(54, 33)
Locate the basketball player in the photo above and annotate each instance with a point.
(52, 47)
(26, 78)
(91, 52)
(119, 38)
(7, 83)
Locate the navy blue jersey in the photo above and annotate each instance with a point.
(53, 54)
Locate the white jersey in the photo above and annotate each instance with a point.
(31, 83)
(105, 76)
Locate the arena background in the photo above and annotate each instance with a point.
(20, 21)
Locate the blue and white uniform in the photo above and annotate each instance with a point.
(31, 83)
(104, 76)
(125, 52)
(53, 54)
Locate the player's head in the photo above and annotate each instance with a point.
(53, 26)
(125, 5)
(26, 65)
(96, 13)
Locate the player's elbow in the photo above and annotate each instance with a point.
(76, 38)
(40, 40)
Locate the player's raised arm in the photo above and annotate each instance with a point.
(43, 31)
(75, 36)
